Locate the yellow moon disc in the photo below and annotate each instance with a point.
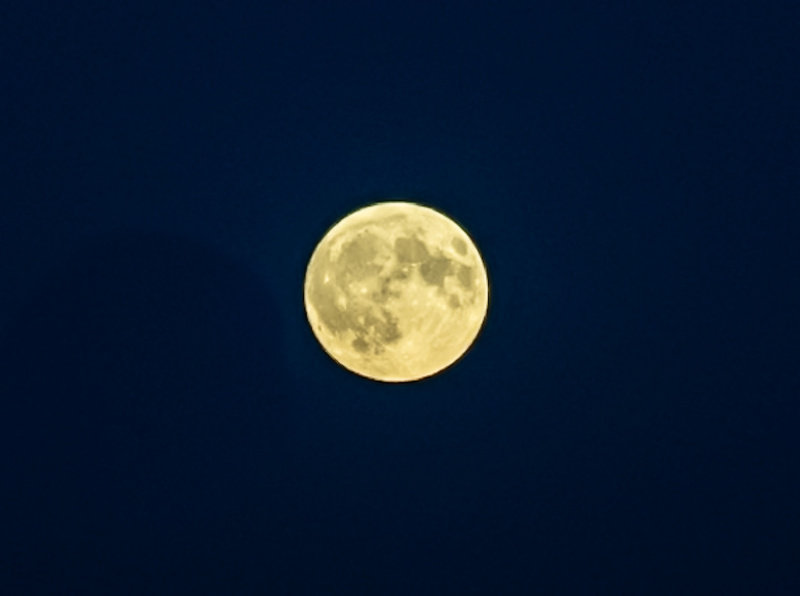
(396, 292)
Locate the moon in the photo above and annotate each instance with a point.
(396, 292)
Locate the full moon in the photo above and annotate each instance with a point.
(396, 292)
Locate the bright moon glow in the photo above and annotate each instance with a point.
(396, 292)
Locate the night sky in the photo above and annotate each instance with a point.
(627, 421)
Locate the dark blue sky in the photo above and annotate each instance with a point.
(627, 421)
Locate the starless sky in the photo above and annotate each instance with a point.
(627, 420)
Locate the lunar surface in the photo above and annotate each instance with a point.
(396, 292)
